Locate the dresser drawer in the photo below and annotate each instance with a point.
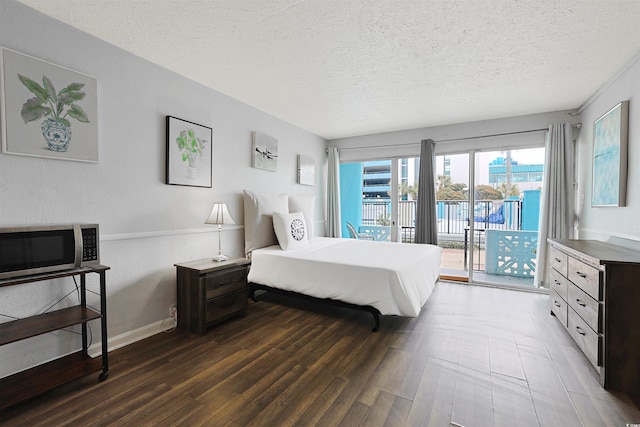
(221, 283)
(226, 305)
(558, 307)
(558, 261)
(559, 284)
(586, 277)
(586, 307)
(588, 341)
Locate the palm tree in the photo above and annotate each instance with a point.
(408, 190)
(444, 181)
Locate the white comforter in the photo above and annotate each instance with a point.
(395, 278)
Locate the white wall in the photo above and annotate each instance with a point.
(616, 224)
(146, 226)
(520, 131)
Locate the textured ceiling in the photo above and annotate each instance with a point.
(341, 68)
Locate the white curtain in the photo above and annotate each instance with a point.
(333, 194)
(557, 199)
(426, 220)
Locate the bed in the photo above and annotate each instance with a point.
(382, 278)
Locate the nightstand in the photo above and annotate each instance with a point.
(210, 292)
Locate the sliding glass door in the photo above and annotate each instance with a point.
(487, 207)
(489, 235)
(452, 210)
(508, 185)
(365, 199)
(378, 199)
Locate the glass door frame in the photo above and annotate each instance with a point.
(395, 184)
(471, 199)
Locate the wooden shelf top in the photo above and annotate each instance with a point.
(54, 275)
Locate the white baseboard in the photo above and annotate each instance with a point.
(130, 337)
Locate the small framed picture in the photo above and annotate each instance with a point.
(265, 152)
(306, 170)
(189, 153)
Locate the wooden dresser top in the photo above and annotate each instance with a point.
(599, 252)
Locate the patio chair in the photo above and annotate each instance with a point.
(355, 235)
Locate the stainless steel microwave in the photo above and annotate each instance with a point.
(47, 248)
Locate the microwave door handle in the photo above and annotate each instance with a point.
(77, 237)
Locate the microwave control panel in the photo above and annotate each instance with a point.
(89, 244)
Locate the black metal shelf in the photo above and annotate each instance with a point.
(33, 381)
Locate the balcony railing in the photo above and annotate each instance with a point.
(453, 215)
(500, 247)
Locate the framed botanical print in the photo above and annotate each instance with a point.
(47, 110)
(189, 153)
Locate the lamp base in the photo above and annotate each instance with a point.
(220, 258)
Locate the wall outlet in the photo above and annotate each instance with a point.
(173, 311)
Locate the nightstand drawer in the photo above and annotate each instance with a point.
(225, 282)
(586, 277)
(558, 261)
(559, 284)
(586, 307)
(558, 307)
(226, 305)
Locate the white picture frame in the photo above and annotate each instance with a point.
(265, 152)
(610, 140)
(306, 170)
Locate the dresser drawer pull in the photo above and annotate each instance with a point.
(584, 276)
(557, 282)
(556, 303)
(580, 331)
(580, 303)
(557, 260)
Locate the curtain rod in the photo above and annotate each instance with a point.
(577, 126)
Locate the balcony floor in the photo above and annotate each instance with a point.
(453, 265)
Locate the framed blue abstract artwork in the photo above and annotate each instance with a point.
(610, 133)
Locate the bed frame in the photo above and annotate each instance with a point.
(253, 287)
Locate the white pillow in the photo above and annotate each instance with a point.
(258, 220)
(306, 205)
(291, 230)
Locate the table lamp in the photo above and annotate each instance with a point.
(219, 215)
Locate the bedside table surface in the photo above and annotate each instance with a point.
(207, 265)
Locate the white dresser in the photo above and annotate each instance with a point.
(595, 294)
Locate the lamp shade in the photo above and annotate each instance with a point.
(219, 215)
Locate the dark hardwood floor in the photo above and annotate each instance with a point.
(476, 356)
